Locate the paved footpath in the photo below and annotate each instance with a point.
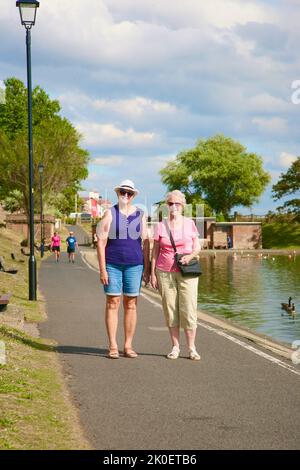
(231, 399)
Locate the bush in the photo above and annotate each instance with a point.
(70, 221)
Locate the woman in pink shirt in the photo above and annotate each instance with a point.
(178, 292)
(55, 245)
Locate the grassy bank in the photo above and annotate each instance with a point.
(281, 235)
(18, 284)
(36, 411)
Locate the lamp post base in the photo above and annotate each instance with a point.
(32, 277)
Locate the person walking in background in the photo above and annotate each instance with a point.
(71, 245)
(123, 255)
(178, 292)
(55, 245)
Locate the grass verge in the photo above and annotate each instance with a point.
(36, 411)
(278, 235)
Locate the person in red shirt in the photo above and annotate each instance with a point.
(55, 245)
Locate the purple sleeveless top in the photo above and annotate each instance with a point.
(124, 244)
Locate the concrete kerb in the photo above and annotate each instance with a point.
(90, 258)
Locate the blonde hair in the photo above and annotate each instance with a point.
(178, 194)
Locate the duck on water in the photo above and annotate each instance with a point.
(289, 307)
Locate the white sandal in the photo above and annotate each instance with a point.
(174, 354)
(194, 355)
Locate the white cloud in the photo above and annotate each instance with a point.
(137, 106)
(160, 161)
(95, 134)
(189, 13)
(271, 125)
(264, 102)
(286, 159)
(112, 160)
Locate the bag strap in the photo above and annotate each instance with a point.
(170, 235)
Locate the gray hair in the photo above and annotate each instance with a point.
(178, 194)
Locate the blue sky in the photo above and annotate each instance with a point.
(142, 80)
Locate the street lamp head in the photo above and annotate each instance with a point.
(41, 168)
(27, 9)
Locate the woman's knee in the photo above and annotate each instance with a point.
(130, 303)
(112, 302)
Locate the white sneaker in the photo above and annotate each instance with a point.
(174, 354)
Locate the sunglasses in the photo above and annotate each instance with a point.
(174, 204)
(123, 192)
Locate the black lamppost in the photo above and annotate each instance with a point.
(41, 169)
(27, 10)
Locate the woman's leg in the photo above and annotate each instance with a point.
(111, 319)
(167, 284)
(190, 338)
(132, 279)
(174, 333)
(188, 291)
(130, 304)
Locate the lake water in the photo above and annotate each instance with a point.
(249, 290)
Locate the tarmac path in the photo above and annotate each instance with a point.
(231, 399)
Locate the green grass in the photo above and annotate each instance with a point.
(35, 408)
(35, 411)
(281, 235)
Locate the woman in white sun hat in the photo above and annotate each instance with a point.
(123, 255)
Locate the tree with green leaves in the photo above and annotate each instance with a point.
(55, 144)
(288, 184)
(218, 171)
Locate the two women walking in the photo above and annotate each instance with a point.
(123, 254)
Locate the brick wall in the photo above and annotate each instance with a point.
(18, 223)
(247, 237)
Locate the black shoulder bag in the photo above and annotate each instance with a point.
(193, 268)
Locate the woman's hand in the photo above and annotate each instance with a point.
(146, 276)
(186, 259)
(153, 281)
(104, 278)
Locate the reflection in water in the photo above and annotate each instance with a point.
(250, 290)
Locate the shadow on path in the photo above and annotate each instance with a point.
(84, 350)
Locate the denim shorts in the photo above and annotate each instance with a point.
(124, 279)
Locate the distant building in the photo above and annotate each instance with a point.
(95, 205)
(237, 235)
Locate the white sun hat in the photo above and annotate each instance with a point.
(126, 184)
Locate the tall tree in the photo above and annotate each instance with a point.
(288, 184)
(220, 171)
(55, 144)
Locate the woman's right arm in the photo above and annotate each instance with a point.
(155, 253)
(102, 235)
